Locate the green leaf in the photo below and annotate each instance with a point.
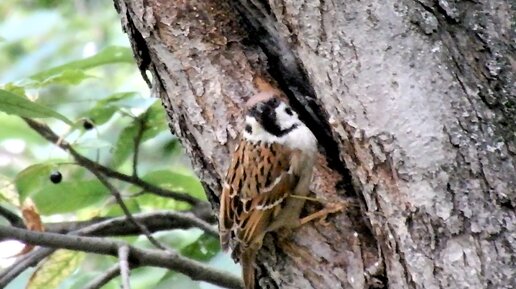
(172, 147)
(15, 127)
(69, 196)
(123, 99)
(56, 268)
(155, 120)
(178, 239)
(91, 143)
(124, 146)
(115, 210)
(105, 108)
(152, 122)
(102, 114)
(203, 249)
(92, 266)
(112, 54)
(32, 178)
(8, 192)
(18, 105)
(176, 181)
(146, 277)
(192, 243)
(14, 88)
(84, 276)
(174, 280)
(71, 76)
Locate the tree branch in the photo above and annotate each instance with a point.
(142, 257)
(120, 226)
(29, 260)
(11, 217)
(126, 211)
(123, 255)
(48, 134)
(137, 140)
(103, 279)
(106, 227)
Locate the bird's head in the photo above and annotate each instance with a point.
(269, 117)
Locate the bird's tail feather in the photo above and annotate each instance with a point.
(224, 240)
(247, 259)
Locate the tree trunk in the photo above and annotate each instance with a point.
(413, 104)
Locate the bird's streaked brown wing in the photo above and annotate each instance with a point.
(259, 179)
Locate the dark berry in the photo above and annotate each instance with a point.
(87, 124)
(56, 177)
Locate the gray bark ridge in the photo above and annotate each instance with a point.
(413, 104)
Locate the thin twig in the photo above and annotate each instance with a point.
(137, 141)
(29, 260)
(123, 255)
(48, 134)
(143, 257)
(13, 219)
(104, 278)
(153, 221)
(126, 211)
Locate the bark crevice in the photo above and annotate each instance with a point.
(287, 71)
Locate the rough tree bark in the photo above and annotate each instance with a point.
(413, 103)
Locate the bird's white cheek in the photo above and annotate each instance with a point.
(302, 138)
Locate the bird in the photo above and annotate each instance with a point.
(267, 180)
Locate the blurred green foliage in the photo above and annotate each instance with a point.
(69, 64)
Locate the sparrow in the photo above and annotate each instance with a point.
(269, 173)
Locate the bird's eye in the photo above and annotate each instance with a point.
(288, 110)
(248, 128)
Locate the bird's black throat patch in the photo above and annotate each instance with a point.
(264, 113)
